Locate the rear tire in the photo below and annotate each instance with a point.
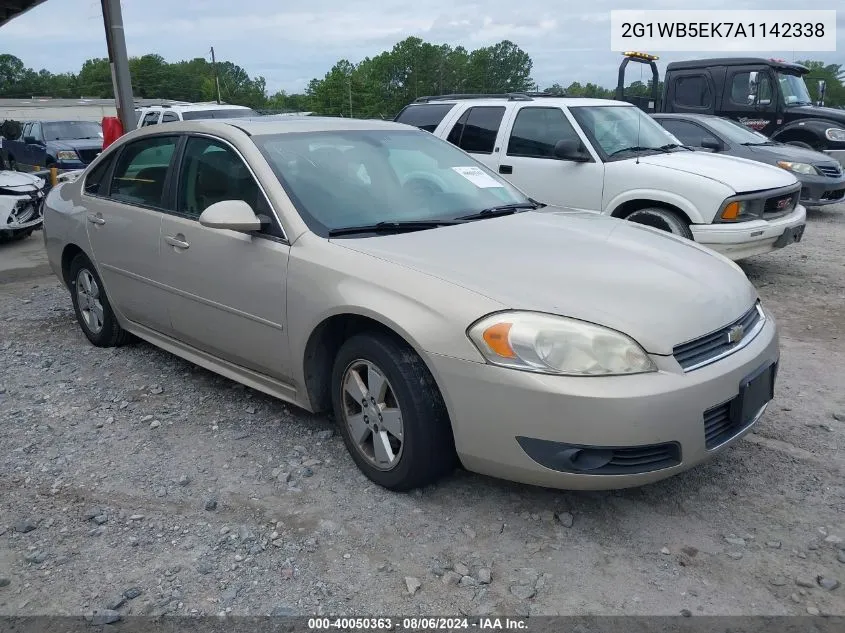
(663, 219)
(91, 304)
(417, 446)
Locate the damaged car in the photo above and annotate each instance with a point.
(21, 204)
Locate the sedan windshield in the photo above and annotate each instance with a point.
(71, 130)
(622, 131)
(794, 90)
(357, 178)
(737, 133)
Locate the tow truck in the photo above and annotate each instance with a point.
(768, 95)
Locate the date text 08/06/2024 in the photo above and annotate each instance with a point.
(416, 624)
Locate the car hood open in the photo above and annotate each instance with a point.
(657, 288)
(741, 175)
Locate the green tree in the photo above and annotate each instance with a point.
(834, 78)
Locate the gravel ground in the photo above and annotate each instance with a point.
(134, 481)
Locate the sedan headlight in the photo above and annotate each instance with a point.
(549, 344)
(835, 134)
(67, 154)
(798, 168)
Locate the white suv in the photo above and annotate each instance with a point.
(610, 157)
(171, 112)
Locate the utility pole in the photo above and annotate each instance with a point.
(119, 63)
(216, 77)
(350, 96)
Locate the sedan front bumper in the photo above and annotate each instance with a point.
(506, 422)
(818, 191)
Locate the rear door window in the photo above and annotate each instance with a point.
(476, 130)
(150, 118)
(141, 171)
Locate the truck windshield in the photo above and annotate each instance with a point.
(794, 90)
(71, 130)
(621, 131)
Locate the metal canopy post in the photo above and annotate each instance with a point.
(119, 63)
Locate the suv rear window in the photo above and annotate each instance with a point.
(426, 117)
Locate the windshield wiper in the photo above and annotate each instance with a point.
(390, 227)
(671, 146)
(503, 209)
(633, 149)
(760, 143)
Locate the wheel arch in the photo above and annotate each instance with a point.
(626, 208)
(69, 253)
(810, 131)
(326, 339)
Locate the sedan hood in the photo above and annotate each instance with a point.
(77, 143)
(658, 289)
(774, 153)
(741, 175)
(19, 180)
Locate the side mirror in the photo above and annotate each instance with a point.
(234, 215)
(31, 140)
(708, 142)
(571, 149)
(753, 86)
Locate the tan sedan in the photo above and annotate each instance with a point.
(372, 269)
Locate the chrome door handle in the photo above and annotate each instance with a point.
(96, 219)
(175, 241)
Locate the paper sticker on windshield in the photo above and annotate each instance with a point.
(478, 177)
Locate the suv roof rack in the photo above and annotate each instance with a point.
(510, 96)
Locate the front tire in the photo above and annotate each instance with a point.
(391, 414)
(91, 305)
(663, 219)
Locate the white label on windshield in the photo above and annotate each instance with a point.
(478, 177)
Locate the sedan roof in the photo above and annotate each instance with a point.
(255, 126)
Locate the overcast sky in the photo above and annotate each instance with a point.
(290, 43)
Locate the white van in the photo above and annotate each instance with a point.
(171, 112)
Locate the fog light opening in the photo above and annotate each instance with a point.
(585, 459)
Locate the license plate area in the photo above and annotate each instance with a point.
(755, 390)
(791, 235)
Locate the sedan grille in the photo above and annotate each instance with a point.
(721, 343)
(719, 427)
(831, 171)
(833, 195)
(87, 155)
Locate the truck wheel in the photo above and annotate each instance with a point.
(662, 219)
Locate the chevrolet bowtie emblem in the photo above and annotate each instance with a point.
(735, 334)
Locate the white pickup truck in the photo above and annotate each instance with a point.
(610, 157)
